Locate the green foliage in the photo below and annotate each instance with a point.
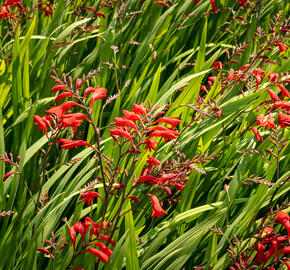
(156, 51)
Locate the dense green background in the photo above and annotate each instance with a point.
(154, 69)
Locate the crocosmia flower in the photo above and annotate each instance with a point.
(60, 110)
(67, 144)
(168, 120)
(257, 134)
(284, 219)
(283, 120)
(122, 133)
(99, 254)
(161, 3)
(157, 209)
(89, 196)
(151, 144)
(281, 104)
(140, 109)
(282, 47)
(273, 77)
(213, 5)
(167, 135)
(284, 91)
(7, 175)
(269, 123)
(42, 122)
(99, 93)
(273, 95)
(242, 2)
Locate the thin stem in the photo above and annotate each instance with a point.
(25, 183)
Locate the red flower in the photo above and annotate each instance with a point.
(213, 5)
(265, 230)
(120, 186)
(46, 251)
(72, 120)
(283, 120)
(284, 250)
(284, 91)
(122, 133)
(69, 119)
(140, 109)
(273, 95)
(157, 209)
(77, 268)
(91, 9)
(269, 123)
(167, 135)
(161, 3)
(260, 253)
(99, 93)
(103, 248)
(100, 14)
(79, 227)
(88, 91)
(98, 253)
(89, 196)
(132, 116)
(151, 144)
(89, 223)
(78, 83)
(281, 104)
(4, 13)
(217, 65)
(211, 79)
(63, 95)
(259, 71)
(203, 88)
(196, 1)
(245, 67)
(67, 144)
(242, 2)
(231, 74)
(282, 47)
(133, 198)
(42, 122)
(273, 77)
(123, 122)
(260, 119)
(257, 134)
(58, 88)
(258, 80)
(284, 219)
(61, 109)
(46, 11)
(168, 120)
(106, 238)
(72, 235)
(152, 162)
(162, 128)
(7, 175)
(148, 179)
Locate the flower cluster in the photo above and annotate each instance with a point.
(276, 105)
(10, 9)
(270, 250)
(93, 234)
(59, 117)
(272, 244)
